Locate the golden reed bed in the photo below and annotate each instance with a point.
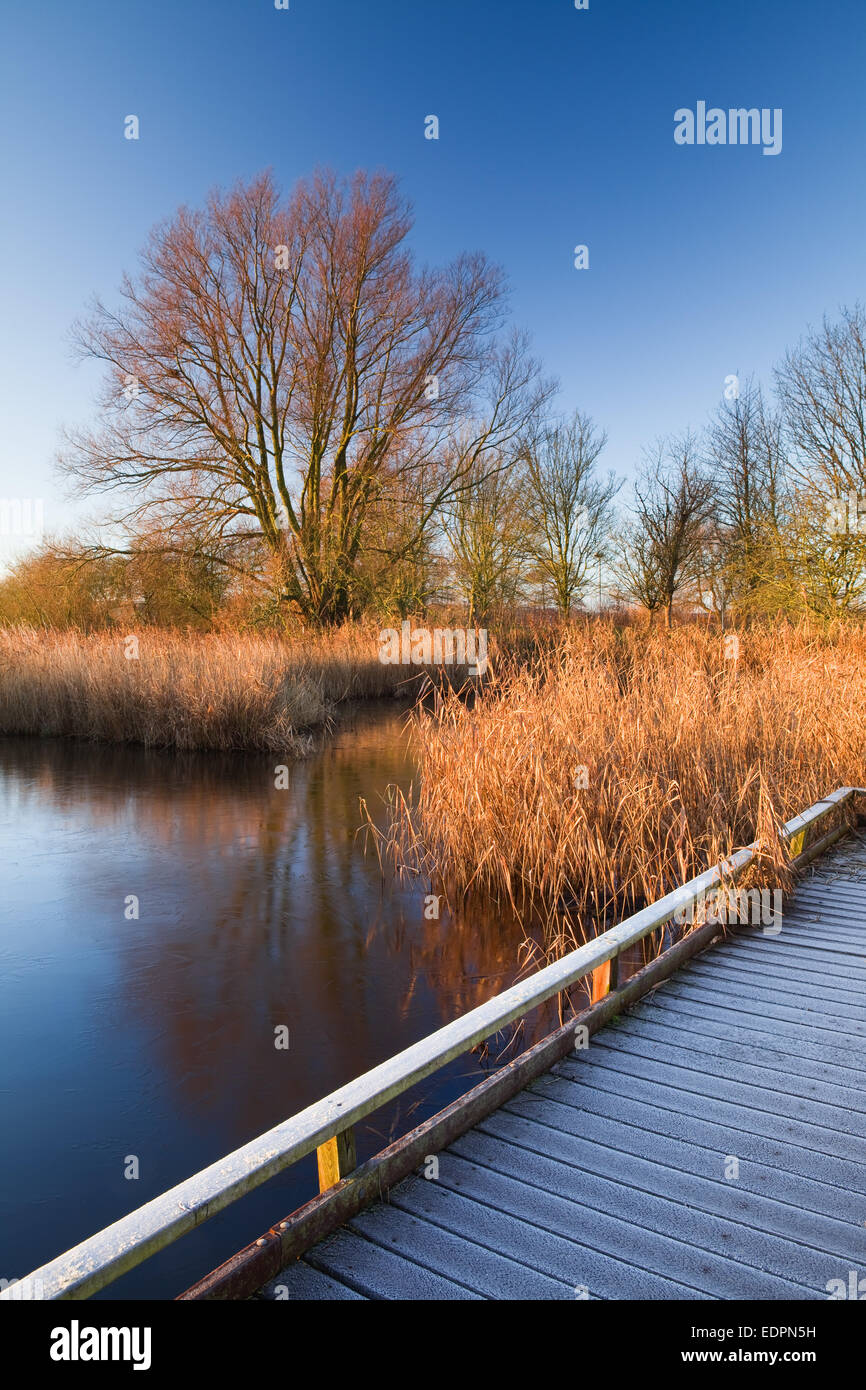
(591, 773)
(625, 762)
(213, 691)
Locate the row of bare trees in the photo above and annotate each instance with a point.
(293, 408)
(535, 526)
(765, 512)
(762, 512)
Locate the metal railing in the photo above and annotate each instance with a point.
(327, 1125)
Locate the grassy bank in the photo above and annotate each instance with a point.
(604, 774)
(214, 691)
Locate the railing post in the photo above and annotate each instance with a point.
(605, 979)
(613, 976)
(797, 843)
(336, 1159)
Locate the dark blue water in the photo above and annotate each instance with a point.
(153, 1038)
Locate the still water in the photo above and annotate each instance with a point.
(153, 1037)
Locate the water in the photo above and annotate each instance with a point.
(152, 1038)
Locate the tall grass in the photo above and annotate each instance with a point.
(217, 691)
(615, 768)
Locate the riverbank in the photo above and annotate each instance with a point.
(216, 691)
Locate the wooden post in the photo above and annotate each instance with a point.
(336, 1159)
(613, 977)
(605, 979)
(797, 843)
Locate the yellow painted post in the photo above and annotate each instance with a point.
(797, 842)
(336, 1159)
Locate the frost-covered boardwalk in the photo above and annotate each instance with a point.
(710, 1142)
(698, 1131)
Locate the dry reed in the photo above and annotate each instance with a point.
(604, 774)
(214, 691)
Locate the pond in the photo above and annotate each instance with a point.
(163, 915)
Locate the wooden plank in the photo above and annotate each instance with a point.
(795, 1065)
(559, 1231)
(821, 1143)
(545, 1228)
(467, 1251)
(806, 1015)
(763, 1169)
(822, 1103)
(797, 842)
(600, 982)
(668, 1236)
(767, 1033)
(784, 1246)
(376, 1272)
(633, 1115)
(745, 975)
(311, 1286)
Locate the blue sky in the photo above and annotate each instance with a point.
(556, 128)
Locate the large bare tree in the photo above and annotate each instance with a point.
(280, 371)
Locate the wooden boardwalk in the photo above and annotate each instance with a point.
(710, 1143)
(698, 1131)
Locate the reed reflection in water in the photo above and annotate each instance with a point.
(154, 1036)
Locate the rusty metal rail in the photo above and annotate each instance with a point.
(327, 1125)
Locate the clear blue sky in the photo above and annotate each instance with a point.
(556, 129)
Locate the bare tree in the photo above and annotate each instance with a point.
(715, 573)
(640, 570)
(568, 508)
(820, 559)
(673, 503)
(822, 386)
(745, 457)
(487, 531)
(278, 371)
(405, 585)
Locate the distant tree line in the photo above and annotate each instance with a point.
(302, 425)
